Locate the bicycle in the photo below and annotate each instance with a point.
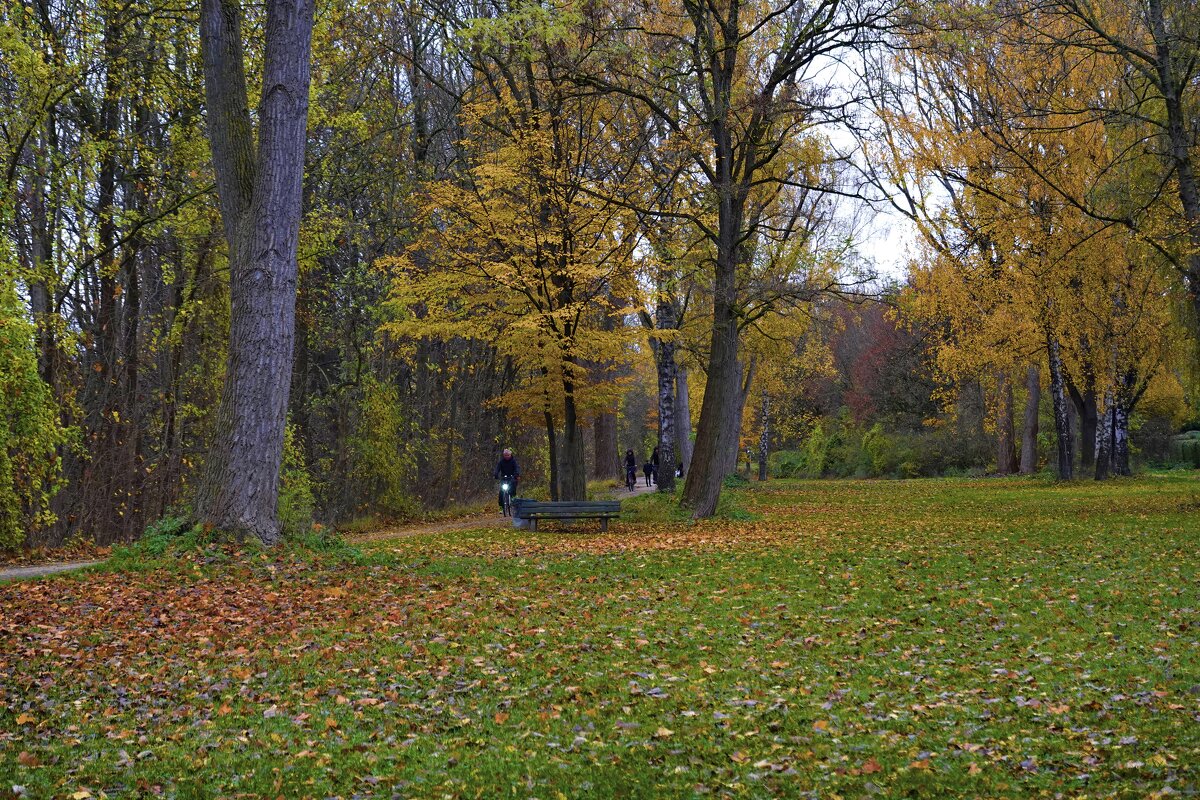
(631, 478)
(507, 487)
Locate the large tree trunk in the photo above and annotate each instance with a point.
(607, 462)
(736, 414)
(1006, 436)
(715, 437)
(1086, 411)
(1062, 423)
(1029, 432)
(260, 199)
(573, 478)
(683, 420)
(664, 355)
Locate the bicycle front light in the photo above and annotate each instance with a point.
(504, 486)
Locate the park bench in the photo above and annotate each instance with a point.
(533, 510)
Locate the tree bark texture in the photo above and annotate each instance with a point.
(1062, 422)
(259, 191)
(664, 354)
(1104, 430)
(1029, 431)
(607, 462)
(1120, 440)
(683, 419)
(715, 437)
(573, 475)
(764, 437)
(736, 413)
(1086, 411)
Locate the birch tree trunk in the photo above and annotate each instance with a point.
(664, 353)
(1029, 432)
(1120, 440)
(683, 419)
(764, 438)
(1104, 428)
(259, 191)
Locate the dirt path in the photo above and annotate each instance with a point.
(38, 570)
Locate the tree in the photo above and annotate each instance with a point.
(259, 189)
(732, 84)
(518, 254)
(1013, 265)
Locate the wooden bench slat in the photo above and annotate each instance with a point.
(533, 510)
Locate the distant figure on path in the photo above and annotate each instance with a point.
(507, 468)
(648, 471)
(630, 469)
(654, 462)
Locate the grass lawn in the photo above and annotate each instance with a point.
(999, 638)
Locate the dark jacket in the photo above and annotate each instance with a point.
(630, 461)
(507, 468)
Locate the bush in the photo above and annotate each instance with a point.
(30, 432)
(839, 447)
(786, 463)
(384, 452)
(168, 533)
(1185, 449)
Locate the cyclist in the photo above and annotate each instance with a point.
(630, 469)
(507, 469)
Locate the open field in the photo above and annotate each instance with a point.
(1002, 638)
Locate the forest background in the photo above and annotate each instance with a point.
(579, 228)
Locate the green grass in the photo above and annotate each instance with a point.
(998, 638)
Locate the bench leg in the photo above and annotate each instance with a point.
(604, 524)
(534, 522)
